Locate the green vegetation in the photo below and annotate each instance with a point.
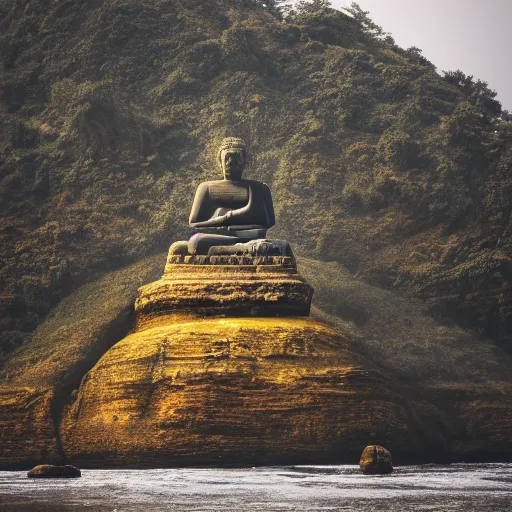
(112, 111)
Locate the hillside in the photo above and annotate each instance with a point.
(112, 112)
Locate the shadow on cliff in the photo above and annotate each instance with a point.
(455, 383)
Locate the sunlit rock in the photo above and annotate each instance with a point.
(225, 368)
(51, 471)
(376, 460)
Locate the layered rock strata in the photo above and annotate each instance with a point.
(203, 286)
(446, 392)
(226, 368)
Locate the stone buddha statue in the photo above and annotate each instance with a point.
(228, 211)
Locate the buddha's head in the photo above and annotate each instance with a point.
(232, 158)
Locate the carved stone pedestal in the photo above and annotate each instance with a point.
(206, 286)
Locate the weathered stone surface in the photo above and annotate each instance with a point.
(211, 378)
(439, 383)
(27, 428)
(244, 287)
(51, 471)
(232, 391)
(376, 460)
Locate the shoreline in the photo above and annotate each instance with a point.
(398, 461)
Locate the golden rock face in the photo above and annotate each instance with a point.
(230, 391)
(222, 370)
(27, 431)
(387, 374)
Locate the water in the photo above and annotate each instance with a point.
(466, 487)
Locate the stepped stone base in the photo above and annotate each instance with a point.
(211, 376)
(203, 286)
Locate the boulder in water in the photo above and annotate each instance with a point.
(376, 460)
(51, 471)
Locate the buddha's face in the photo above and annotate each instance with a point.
(232, 162)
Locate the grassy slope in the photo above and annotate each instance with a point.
(112, 112)
(398, 334)
(81, 329)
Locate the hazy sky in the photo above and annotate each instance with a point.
(472, 35)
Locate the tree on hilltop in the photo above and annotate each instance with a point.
(477, 91)
(312, 6)
(415, 55)
(304, 7)
(363, 17)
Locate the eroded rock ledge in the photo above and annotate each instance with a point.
(205, 286)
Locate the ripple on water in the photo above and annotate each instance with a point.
(468, 487)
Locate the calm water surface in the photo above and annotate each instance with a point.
(465, 487)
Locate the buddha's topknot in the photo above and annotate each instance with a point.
(233, 143)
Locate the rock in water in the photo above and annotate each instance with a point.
(51, 471)
(226, 368)
(376, 460)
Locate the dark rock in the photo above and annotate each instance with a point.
(51, 471)
(376, 460)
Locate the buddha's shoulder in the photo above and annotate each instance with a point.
(205, 185)
(255, 183)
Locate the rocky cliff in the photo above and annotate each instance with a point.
(225, 368)
(240, 389)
